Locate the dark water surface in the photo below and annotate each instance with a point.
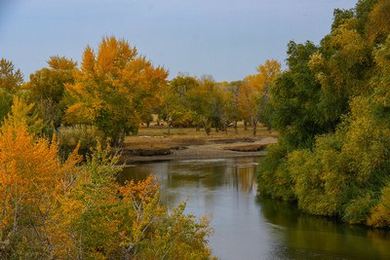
(248, 228)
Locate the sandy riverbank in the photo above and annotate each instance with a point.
(147, 148)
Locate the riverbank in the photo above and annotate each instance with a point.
(155, 145)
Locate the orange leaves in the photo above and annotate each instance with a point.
(31, 176)
(61, 63)
(88, 61)
(56, 209)
(114, 89)
(113, 55)
(140, 191)
(254, 87)
(268, 72)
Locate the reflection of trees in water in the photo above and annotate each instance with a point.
(244, 175)
(244, 178)
(307, 235)
(302, 235)
(135, 173)
(201, 177)
(208, 175)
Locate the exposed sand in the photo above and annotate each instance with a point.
(207, 149)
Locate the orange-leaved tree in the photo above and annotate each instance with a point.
(31, 179)
(253, 93)
(115, 89)
(72, 210)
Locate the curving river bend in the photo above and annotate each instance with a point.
(249, 228)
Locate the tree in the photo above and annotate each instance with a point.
(47, 87)
(11, 80)
(109, 220)
(176, 108)
(31, 178)
(59, 210)
(232, 103)
(113, 88)
(5, 103)
(253, 93)
(331, 108)
(207, 103)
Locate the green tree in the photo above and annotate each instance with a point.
(332, 111)
(47, 87)
(11, 80)
(176, 107)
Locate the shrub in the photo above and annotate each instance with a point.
(274, 178)
(85, 136)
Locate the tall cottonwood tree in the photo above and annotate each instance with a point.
(47, 88)
(114, 88)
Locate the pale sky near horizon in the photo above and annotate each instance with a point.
(227, 39)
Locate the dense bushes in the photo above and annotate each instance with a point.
(345, 170)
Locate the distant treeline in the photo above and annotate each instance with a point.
(115, 89)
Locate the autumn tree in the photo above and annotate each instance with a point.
(207, 102)
(113, 89)
(72, 210)
(232, 103)
(11, 80)
(253, 93)
(106, 219)
(47, 87)
(176, 107)
(331, 109)
(31, 178)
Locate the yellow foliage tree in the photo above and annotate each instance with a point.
(115, 89)
(253, 93)
(31, 179)
(66, 210)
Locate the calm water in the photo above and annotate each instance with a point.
(247, 228)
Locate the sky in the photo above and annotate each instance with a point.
(227, 39)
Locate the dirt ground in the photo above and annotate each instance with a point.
(154, 144)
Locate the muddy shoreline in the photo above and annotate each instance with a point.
(191, 149)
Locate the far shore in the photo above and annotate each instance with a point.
(153, 144)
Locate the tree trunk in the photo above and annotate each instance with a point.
(207, 128)
(254, 127)
(235, 127)
(245, 125)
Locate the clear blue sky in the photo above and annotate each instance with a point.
(223, 38)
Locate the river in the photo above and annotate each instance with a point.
(249, 228)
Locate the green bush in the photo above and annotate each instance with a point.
(86, 136)
(274, 178)
(380, 214)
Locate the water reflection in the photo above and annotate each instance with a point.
(250, 228)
